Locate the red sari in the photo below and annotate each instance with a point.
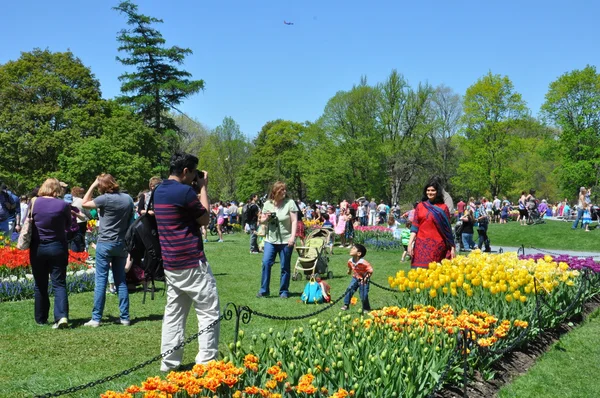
(430, 244)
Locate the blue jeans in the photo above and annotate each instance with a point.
(579, 217)
(363, 292)
(467, 241)
(285, 256)
(253, 237)
(50, 258)
(108, 253)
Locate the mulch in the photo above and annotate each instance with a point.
(518, 361)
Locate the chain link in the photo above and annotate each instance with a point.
(384, 288)
(575, 300)
(132, 369)
(455, 353)
(555, 254)
(299, 317)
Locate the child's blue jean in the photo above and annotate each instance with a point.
(363, 291)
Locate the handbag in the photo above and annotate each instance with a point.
(26, 230)
(313, 293)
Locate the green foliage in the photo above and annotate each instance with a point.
(491, 108)
(572, 102)
(278, 155)
(49, 102)
(157, 85)
(223, 154)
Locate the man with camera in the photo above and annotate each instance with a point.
(180, 205)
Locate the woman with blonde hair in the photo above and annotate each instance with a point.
(280, 217)
(115, 210)
(49, 253)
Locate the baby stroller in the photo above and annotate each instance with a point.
(534, 216)
(312, 258)
(458, 228)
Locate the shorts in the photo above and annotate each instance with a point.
(523, 213)
(220, 221)
(405, 247)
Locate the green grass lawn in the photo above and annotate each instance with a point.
(569, 369)
(36, 360)
(555, 235)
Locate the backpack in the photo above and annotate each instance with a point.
(143, 245)
(313, 293)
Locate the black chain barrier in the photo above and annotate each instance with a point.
(385, 288)
(299, 317)
(553, 253)
(132, 369)
(455, 354)
(575, 300)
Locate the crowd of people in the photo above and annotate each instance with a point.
(183, 216)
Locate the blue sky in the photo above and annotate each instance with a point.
(257, 69)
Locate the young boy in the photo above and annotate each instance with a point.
(405, 236)
(361, 271)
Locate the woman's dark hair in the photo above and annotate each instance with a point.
(532, 191)
(523, 193)
(439, 195)
(180, 161)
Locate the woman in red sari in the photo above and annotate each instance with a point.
(431, 238)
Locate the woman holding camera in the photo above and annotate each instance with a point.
(280, 217)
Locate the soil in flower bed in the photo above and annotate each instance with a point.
(518, 361)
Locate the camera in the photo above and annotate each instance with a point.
(199, 176)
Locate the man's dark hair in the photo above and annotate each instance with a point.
(180, 161)
(361, 249)
(439, 195)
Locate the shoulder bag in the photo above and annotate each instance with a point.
(24, 240)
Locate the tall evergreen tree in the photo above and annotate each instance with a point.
(157, 85)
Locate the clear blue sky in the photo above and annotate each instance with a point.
(257, 69)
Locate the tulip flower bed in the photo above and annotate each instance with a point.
(15, 262)
(398, 350)
(23, 289)
(16, 279)
(378, 237)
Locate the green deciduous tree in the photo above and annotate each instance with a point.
(278, 154)
(157, 85)
(121, 150)
(48, 103)
(223, 154)
(573, 104)
(488, 147)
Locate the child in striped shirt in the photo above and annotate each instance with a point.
(361, 272)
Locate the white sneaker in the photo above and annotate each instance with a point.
(62, 323)
(125, 322)
(92, 323)
(220, 240)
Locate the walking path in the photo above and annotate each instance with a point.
(529, 250)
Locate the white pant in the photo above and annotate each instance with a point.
(372, 220)
(187, 287)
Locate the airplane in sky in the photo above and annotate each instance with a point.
(288, 23)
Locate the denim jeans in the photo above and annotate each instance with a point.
(78, 242)
(363, 292)
(579, 217)
(108, 253)
(285, 256)
(253, 237)
(467, 241)
(50, 258)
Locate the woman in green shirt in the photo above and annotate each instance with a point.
(280, 217)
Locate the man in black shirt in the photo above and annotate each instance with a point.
(252, 221)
